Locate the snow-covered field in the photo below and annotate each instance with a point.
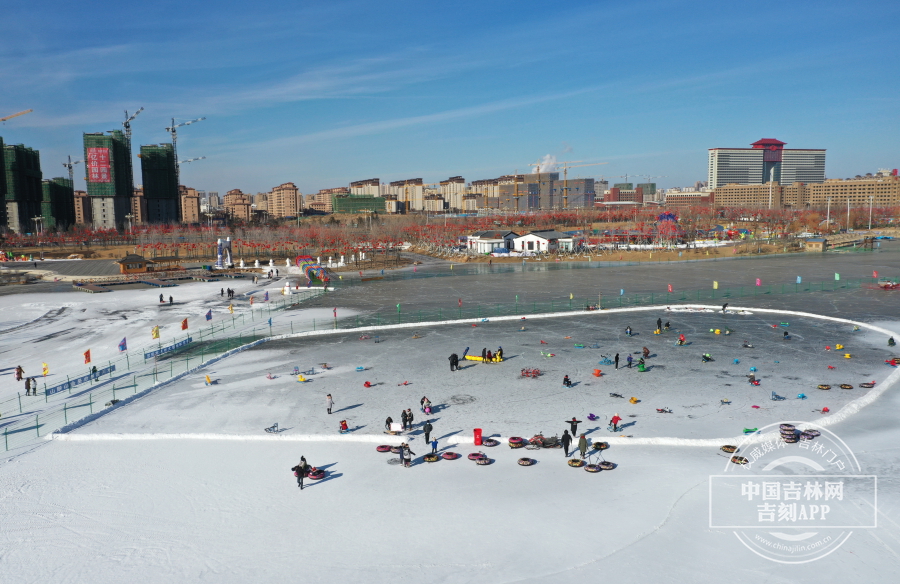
(183, 485)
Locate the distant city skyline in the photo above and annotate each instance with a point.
(321, 95)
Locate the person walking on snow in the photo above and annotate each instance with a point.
(629, 359)
(406, 453)
(573, 424)
(434, 446)
(27, 386)
(300, 471)
(403, 420)
(659, 324)
(329, 402)
(646, 353)
(484, 355)
(566, 442)
(617, 361)
(222, 292)
(614, 422)
(427, 428)
(161, 298)
(724, 306)
(387, 424)
(582, 446)
(454, 362)
(409, 418)
(19, 373)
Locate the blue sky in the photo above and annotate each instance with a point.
(322, 93)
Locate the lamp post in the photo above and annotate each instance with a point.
(828, 216)
(38, 224)
(128, 218)
(871, 199)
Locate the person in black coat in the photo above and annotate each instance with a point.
(567, 382)
(387, 424)
(454, 362)
(427, 428)
(484, 355)
(300, 471)
(659, 324)
(403, 419)
(617, 360)
(409, 418)
(566, 442)
(573, 423)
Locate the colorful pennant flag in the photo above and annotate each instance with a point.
(184, 325)
(670, 287)
(837, 276)
(251, 300)
(154, 332)
(270, 322)
(231, 308)
(209, 315)
(715, 285)
(266, 298)
(123, 346)
(799, 280)
(759, 282)
(46, 369)
(874, 273)
(459, 302)
(87, 356)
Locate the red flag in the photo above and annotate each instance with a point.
(874, 273)
(87, 356)
(459, 301)
(184, 325)
(670, 287)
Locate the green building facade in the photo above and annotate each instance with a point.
(22, 170)
(160, 183)
(58, 204)
(357, 204)
(108, 174)
(2, 187)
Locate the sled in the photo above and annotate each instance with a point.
(776, 397)
(616, 395)
(273, 429)
(664, 410)
(750, 430)
(725, 402)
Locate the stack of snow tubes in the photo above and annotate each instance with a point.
(808, 434)
(788, 433)
(516, 442)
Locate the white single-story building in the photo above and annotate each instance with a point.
(488, 241)
(544, 240)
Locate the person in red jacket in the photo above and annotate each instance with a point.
(614, 422)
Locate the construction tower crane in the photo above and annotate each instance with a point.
(566, 168)
(173, 129)
(127, 126)
(16, 115)
(71, 168)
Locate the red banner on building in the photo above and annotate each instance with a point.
(98, 165)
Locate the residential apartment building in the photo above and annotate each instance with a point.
(321, 201)
(882, 189)
(138, 206)
(766, 161)
(452, 191)
(109, 179)
(190, 205)
(237, 205)
(82, 208)
(57, 204)
(682, 198)
(285, 201)
(160, 188)
(369, 186)
(410, 191)
(22, 178)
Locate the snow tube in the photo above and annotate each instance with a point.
(516, 440)
(316, 475)
(575, 462)
(526, 461)
(383, 448)
(846, 386)
(823, 386)
(516, 445)
(449, 456)
(867, 385)
(476, 456)
(729, 448)
(739, 460)
(431, 458)
(484, 461)
(600, 445)
(806, 436)
(490, 442)
(606, 465)
(812, 433)
(790, 427)
(395, 449)
(592, 467)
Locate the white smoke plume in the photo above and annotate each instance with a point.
(547, 164)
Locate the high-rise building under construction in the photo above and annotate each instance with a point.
(160, 188)
(108, 169)
(22, 174)
(58, 203)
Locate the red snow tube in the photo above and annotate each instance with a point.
(316, 474)
(516, 440)
(383, 448)
(450, 456)
(476, 456)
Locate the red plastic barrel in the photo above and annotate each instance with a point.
(477, 436)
